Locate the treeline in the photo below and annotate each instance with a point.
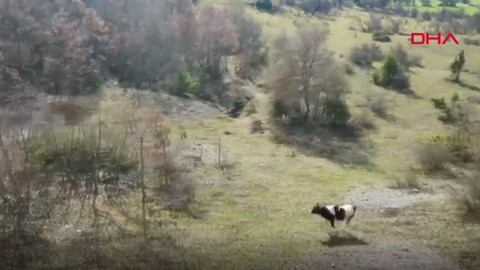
(70, 47)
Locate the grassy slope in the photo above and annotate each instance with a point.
(262, 215)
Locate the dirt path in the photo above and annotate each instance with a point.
(392, 256)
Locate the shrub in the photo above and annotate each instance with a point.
(456, 67)
(392, 75)
(264, 5)
(461, 143)
(400, 81)
(378, 104)
(414, 13)
(184, 83)
(408, 181)
(257, 126)
(176, 186)
(472, 41)
(471, 200)
(280, 109)
(336, 111)
(71, 111)
(349, 70)
(314, 6)
(427, 16)
(433, 157)
(415, 61)
(398, 9)
(374, 24)
(381, 37)
(251, 108)
(389, 70)
(404, 59)
(366, 54)
(173, 182)
(362, 120)
(452, 112)
(395, 25)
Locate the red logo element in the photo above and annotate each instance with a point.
(425, 38)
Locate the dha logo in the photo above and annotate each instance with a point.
(425, 38)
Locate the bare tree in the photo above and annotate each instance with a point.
(217, 39)
(304, 73)
(307, 51)
(250, 43)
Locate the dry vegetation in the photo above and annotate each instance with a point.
(101, 167)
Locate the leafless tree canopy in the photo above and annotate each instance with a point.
(304, 73)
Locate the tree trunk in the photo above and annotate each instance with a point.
(306, 99)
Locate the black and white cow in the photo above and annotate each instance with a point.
(331, 213)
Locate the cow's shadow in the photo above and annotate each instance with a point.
(343, 238)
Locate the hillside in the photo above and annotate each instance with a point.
(205, 192)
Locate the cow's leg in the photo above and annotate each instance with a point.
(348, 220)
(332, 222)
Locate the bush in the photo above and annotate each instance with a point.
(250, 108)
(433, 157)
(314, 6)
(71, 111)
(183, 84)
(414, 13)
(362, 120)
(404, 59)
(408, 181)
(264, 5)
(471, 200)
(452, 112)
(395, 25)
(336, 111)
(175, 185)
(257, 126)
(366, 54)
(472, 41)
(381, 37)
(349, 70)
(280, 109)
(378, 105)
(427, 16)
(389, 70)
(392, 75)
(400, 81)
(374, 24)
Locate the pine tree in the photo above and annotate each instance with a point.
(457, 66)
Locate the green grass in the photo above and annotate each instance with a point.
(260, 214)
(266, 207)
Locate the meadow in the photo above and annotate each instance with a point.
(254, 191)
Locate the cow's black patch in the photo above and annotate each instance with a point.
(339, 213)
(325, 213)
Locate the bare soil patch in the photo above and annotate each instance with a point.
(388, 256)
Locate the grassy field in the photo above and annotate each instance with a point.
(260, 214)
(257, 214)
